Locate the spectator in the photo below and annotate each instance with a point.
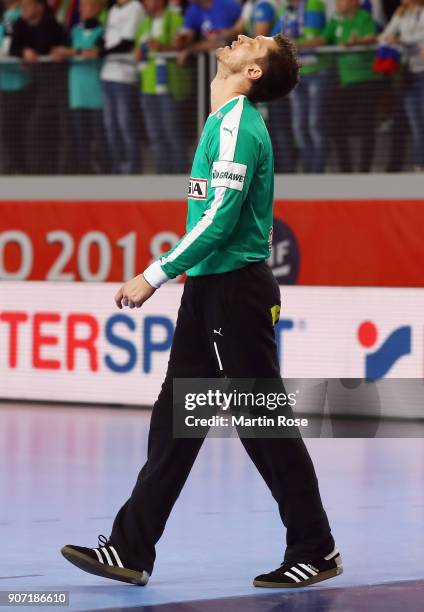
(389, 8)
(375, 7)
(258, 17)
(303, 20)
(359, 88)
(163, 86)
(204, 23)
(13, 97)
(85, 97)
(407, 28)
(119, 82)
(36, 34)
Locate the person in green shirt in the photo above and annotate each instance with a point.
(359, 87)
(303, 20)
(164, 85)
(225, 329)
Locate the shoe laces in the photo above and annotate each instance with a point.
(102, 540)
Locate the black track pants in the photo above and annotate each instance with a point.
(224, 327)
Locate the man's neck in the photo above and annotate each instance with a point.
(223, 89)
(36, 21)
(350, 14)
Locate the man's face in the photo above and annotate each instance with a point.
(244, 53)
(89, 8)
(346, 6)
(152, 6)
(206, 4)
(31, 10)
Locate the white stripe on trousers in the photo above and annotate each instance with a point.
(218, 357)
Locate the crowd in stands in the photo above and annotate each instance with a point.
(121, 74)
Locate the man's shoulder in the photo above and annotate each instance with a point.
(251, 118)
(19, 24)
(244, 113)
(364, 16)
(131, 8)
(238, 114)
(51, 20)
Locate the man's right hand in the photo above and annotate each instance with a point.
(134, 293)
(30, 56)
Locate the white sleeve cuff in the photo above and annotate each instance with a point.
(154, 275)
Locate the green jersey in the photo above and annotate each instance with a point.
(175, 79)
(230, 198)
(353, 67)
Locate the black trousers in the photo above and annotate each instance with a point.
(237, 304)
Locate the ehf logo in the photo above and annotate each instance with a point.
(392, 348)
(285, 256)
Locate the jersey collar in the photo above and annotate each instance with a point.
(225, 104)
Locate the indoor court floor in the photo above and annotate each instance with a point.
(66, 470)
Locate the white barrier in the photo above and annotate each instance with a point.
(68, 342)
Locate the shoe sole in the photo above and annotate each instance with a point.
(295, 585)
(87, 564)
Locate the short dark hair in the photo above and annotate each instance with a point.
(280, 72)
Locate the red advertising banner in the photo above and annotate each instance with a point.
(322, 242)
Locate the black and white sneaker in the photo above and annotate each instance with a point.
(103, 561)
(292, 575)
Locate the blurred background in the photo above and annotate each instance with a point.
(88, 87)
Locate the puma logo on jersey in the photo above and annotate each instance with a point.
(198, 189)
(228, 130)
(228, 174)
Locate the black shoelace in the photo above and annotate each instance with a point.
(102, 540)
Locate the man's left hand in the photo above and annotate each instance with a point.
(134, 293)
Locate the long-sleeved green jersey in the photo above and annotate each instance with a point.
(230, 198)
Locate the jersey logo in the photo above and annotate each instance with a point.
(275, 314)
(228, 130)
(198, 189)
(228, 174)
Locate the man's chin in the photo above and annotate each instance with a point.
(222, 52)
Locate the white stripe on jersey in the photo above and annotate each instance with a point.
(227, 148)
